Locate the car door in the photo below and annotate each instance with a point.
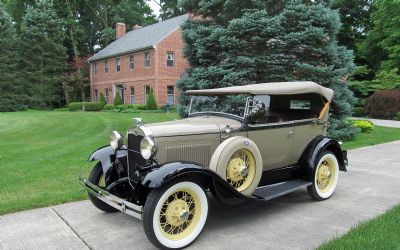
(275, 142)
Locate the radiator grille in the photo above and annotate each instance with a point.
(135, 159)
(199, 153)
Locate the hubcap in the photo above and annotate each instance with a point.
(179, 214)
(241, 169)
(325, 176)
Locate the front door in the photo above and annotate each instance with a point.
(275, 142)
(119, 88)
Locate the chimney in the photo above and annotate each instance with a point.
(120, 30)
(136, 27)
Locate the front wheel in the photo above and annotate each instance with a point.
(326, 175)
(174, 215)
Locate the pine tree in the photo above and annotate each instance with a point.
(151, 103)
(45, 58)
(12, 97)
(117, 99)
(102, 99)
(245, 42)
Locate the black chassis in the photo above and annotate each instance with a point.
(127, 189)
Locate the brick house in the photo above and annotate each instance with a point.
(142, 58)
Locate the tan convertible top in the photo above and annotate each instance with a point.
(271, 88)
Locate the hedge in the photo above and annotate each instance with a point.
(86, 106)
(365, 126)
(384, 104)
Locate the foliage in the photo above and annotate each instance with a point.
(383, 104)
(169, 9)
(130, 106)
(358, 111)
(168, 108)
(365, 126)
(397, 117)
(102, 99)
(243, 42)
(108, 107)
(151, 103)
(12, 96)
(45, 58)
(62, 141)
(86, 106)
(117, 99)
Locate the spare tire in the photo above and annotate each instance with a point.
(238, 161)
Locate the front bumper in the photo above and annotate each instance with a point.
(112, 200)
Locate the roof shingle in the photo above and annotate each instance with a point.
(143, 38)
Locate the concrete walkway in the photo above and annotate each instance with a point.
(379, 122)
(369, 188)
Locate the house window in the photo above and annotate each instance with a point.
(146, 93)
(95, 69)
(106, 95)
(146, 59)
(131, 62)
(170, 59)
(170, 95)
(118, 64)
(132, 95)
(96, 95)
(106, 67)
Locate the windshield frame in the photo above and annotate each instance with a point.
(223, 114)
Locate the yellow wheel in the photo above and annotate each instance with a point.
(326, 176)
(241, 170)
(175, 215)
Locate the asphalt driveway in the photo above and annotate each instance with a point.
(294, 221)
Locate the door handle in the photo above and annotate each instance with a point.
(291, 132)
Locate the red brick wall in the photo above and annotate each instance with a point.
(158, 75)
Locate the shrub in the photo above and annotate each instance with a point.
(383, 104)
(86, 106)
(397, 117)
(365, 126)
(358, 111)
(130, 106)
(151, 103)
(108, 107)
(117, 99)
(168, 108)
(102, 98)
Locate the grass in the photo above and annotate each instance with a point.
(378, 135)
(42, 153)
(381, 232)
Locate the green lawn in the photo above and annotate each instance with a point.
(377, 136)
(383, 232)
(42, 153)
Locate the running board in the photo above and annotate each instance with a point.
(275, 190)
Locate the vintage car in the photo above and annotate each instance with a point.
(238, 143)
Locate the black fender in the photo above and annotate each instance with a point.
(318, 145)
(107, 155)
(157, 177)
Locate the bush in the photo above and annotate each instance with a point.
(358, 111)
(117, 99)
(365, 126)
(383, 104)
(108, 107)
(397, 117)
(102, 98)
(151, 103)
(86, 106)
(130, 106)
(168, 108)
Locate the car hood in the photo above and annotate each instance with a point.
(193, 125)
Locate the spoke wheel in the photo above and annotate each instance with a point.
(241, 169)
(326, 176)
(175, 215)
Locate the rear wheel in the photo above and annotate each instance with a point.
(326, 175)
(96, 177)
(175, 215)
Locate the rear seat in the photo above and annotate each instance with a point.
(289, 115)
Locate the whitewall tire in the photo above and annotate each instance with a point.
(175, 215)
(326, 176)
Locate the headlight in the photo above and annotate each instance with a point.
(116, 140)
(147, 147)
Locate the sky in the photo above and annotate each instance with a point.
(154, 7)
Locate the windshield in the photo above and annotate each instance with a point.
(230, 104)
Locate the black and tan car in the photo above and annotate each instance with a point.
(240, 143)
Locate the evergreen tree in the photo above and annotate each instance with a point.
(102, 99)
(151, 103)
(12, 97)
(45, 58)
(117, 99)
(244, 42)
